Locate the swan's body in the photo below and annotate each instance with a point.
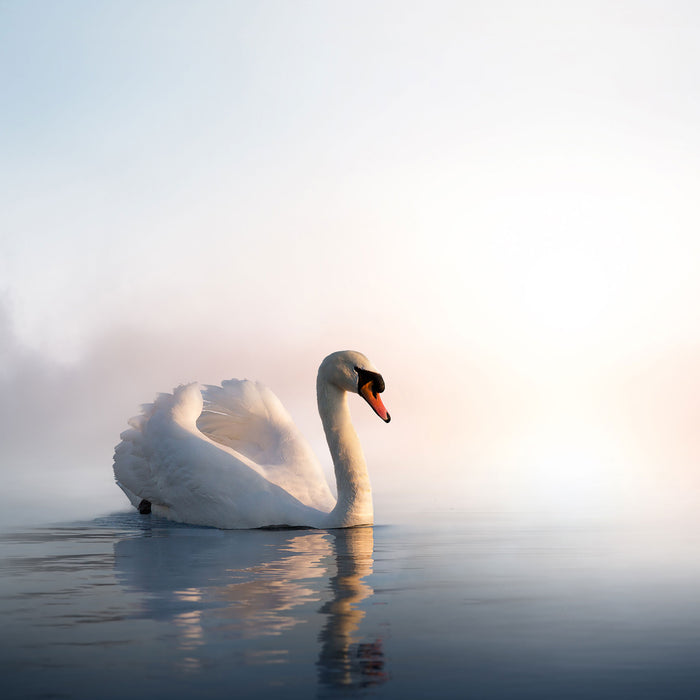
(230, 456)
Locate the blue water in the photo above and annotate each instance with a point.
(447, 606)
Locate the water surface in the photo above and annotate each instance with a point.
(451, 606)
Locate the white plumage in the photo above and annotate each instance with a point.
(230, 456)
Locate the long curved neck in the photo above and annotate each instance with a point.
(354, 506)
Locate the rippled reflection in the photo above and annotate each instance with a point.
(491, 608)
(345, 659)
(227, 587)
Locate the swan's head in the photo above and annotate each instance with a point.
(352, 371)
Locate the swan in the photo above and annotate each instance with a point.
(230, 456)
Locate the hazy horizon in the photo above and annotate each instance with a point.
(497, 203)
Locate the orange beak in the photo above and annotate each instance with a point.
(375, 401)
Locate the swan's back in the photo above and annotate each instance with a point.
(228, 456)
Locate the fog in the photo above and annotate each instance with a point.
(496, 203)
(487, 439)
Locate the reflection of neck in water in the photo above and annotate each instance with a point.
(343, 660)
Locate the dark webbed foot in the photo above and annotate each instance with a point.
(145, 507)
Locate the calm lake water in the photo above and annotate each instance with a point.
(451, 606)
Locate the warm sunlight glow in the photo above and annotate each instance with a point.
(566, 467)
(496, 202)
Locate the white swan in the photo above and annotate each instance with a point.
(230, 456)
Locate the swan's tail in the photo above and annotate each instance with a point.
(135, 500)
(132, 456)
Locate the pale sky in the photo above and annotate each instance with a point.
(497, 202)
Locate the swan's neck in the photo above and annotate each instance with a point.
(354, 506)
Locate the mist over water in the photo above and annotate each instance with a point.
(484, 438)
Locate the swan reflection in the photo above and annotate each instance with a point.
(259, 598)
(345, 660)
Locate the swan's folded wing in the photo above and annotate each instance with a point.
(248, 418)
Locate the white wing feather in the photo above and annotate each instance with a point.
(228, 454)
(248, 418)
